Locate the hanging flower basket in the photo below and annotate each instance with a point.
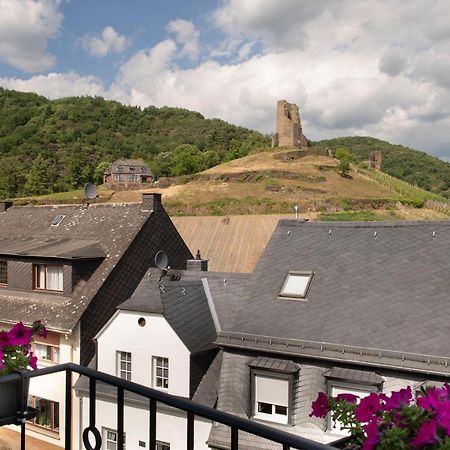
(15, 358)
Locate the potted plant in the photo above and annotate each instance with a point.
(15, 357)
(396, 421)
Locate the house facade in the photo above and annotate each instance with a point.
(70, 266)
(128, 173)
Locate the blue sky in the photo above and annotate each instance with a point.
(353, 67)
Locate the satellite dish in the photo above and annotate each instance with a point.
(162, 260)
(90, 191)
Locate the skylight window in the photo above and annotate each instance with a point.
(296, 285)
(57, 220)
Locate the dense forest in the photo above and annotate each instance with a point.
(413, 166)
(57, 145)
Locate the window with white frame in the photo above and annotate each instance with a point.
(46, 352)
(47, 413)
(47, 277)
(123, 365)
(271, 397)
(296, 285)
(162, 445)
(110, 441)
(335, 389)
(160, 372)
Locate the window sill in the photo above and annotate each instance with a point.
(268, 418)
(42, 430)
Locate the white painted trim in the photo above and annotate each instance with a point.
(211, 305)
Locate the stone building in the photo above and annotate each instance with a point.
(289, 126)
(375, 160)
(127, 173)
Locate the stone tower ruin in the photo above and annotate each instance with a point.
(289, 126)
(375, 160)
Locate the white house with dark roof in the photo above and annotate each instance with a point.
(70, 266)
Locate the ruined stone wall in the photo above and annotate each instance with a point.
(375, 160)
(289, 127)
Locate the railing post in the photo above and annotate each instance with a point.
(152, 425)
(190, 431)
(120, 407)
(234, 438)
(68, 420)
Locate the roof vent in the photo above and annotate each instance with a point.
(57, 220)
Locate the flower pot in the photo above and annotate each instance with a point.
(13, 399)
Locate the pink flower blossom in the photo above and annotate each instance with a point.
(426, 434)
(320, 406)
(372, 437)
(351, 398)
(33, 361)
(20, 334)
(368, 408)
(397, 399)
(5, 340)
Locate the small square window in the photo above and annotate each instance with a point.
(296, 284)
(162, 445)
(124, 365)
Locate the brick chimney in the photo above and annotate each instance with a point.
(197, 264)
(151, 201)
(5, 205)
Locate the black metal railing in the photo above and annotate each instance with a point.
(236, 424)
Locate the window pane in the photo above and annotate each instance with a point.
(281, 410)
(56, 416)
(55, 354)
(55, 278)
(296, 285)
(40, 276)
(265, 408)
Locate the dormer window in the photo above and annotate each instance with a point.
(3, 273)
(296, 285)
(47, 277)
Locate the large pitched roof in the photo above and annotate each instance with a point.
(376, 285)
(106, 228)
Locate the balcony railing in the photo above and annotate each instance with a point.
(236, 424)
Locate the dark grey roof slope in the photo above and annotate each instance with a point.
(376, 285)
(51, 247)
(183, 304)
(206, 393)
(110, 226)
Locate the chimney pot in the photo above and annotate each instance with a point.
(197, 264)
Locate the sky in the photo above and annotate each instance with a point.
(354, 67)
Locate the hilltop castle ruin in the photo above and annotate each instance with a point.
(289, 126)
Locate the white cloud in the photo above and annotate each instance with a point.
(108, 42)
(186, 36)
(56, 85)
(25, 28)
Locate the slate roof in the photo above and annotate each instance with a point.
(106, 227)
(51, 247)
(383, 286)
(126, 164)
(274, 364)
(183, 304)
(207, 390)
(353, 375)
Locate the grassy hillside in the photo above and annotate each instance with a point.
(272, 182)
(52, 146)
(407, 164)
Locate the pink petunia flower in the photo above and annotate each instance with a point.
(372, 437)
(320, 406)
(5, 340)
(20, 334)
(33, 361)
(368, 408)
(351, 398)
(397, 399)
(426, 434)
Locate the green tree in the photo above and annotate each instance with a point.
(210, 159)
(186, 159)
(162, 164)
(100, 170)
(38, 180)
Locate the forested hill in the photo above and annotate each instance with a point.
(413, 166)
(56, 145)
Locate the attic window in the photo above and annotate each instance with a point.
(296, 285)
(57, 220)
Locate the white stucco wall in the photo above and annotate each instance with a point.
(156, 338)
(170, 425)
